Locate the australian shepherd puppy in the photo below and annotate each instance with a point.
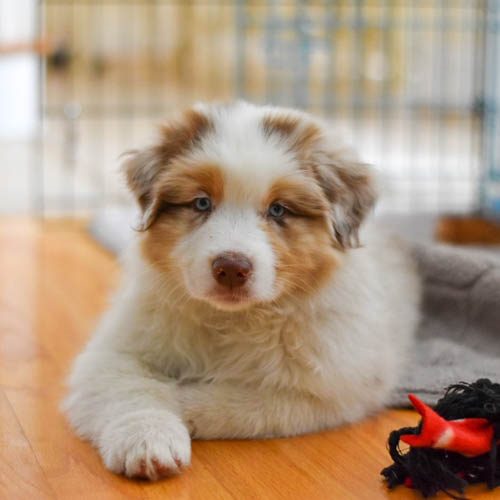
(252, 306)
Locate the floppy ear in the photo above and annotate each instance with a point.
(349, 186)
(143, 167)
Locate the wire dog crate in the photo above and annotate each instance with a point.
(411, 84)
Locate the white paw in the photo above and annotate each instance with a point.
(146, 444)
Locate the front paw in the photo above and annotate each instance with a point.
(146, 444)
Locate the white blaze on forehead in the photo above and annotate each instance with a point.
(251, 162)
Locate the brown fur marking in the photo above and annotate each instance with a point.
(179, 137)
(302, 137)
(184, 181)
(161, 238)
(301, 195)
(305, 256)
(348, 185)
(143, 167)
(280, 124)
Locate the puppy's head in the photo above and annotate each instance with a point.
(243, 204)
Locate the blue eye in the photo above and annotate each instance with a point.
(203, 204)
(276, 210)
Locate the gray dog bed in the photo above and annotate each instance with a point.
(459, 336)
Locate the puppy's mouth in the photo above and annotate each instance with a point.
(226, 298)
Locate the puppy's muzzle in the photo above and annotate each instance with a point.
(231, 270)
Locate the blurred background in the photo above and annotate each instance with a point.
(411, 83)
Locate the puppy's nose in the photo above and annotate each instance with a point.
(231, 269)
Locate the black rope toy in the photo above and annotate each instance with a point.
(455, 444)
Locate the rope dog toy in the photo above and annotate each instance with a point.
(455, 444)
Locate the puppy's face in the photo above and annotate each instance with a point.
(244, 204)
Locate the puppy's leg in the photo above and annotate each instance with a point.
(214, 411)
(128, 414)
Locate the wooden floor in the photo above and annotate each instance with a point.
(54, 282)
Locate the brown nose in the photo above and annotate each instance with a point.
(231, 269)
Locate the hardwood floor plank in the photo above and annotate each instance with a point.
(21, 476)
